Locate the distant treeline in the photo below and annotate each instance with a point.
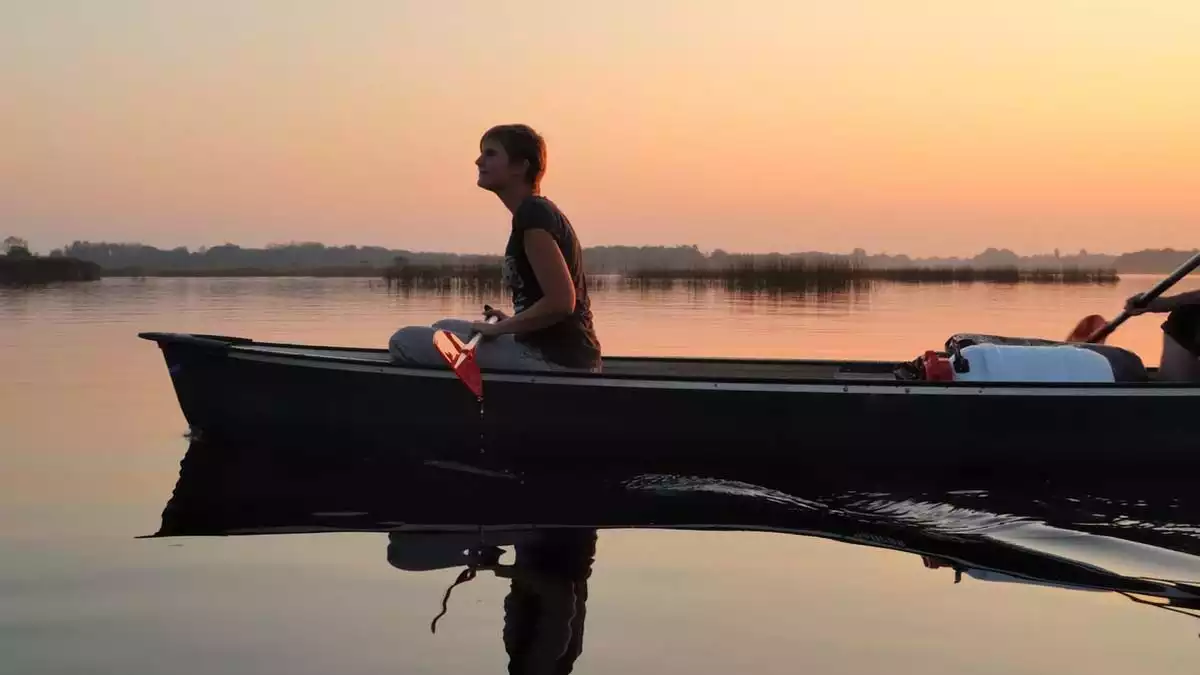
(120, 259)
(23, 270)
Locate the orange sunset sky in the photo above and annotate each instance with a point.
(932, 127)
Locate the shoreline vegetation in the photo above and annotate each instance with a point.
(782, 275)
(38, 271)
(607, 265)
(19, 267)
(804, 274)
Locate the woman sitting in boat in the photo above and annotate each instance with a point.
(551, 326)
(1180, 360)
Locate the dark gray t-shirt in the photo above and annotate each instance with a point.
(571, 342)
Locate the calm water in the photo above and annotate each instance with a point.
(815, 574)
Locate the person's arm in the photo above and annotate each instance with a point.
(1164, 304)
(553, 276)
(558, 299)
(1181, 300)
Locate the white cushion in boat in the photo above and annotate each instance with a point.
(1020, 363)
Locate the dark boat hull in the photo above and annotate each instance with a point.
(433, 515)
(857, 416)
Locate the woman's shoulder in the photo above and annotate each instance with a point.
(537, 205)
(538, 212)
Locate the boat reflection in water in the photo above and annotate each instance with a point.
(443, 516)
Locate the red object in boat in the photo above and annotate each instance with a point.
(937, 367)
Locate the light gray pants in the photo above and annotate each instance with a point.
(414, 345)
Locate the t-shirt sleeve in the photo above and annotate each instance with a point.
(535, 215)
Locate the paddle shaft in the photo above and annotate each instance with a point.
(471, 344)
(1148, 297)
(478, 336)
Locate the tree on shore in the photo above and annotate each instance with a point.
(15, 247)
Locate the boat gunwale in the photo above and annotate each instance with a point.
(305, 352)
(247, 343)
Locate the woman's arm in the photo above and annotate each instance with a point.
(1164, 304)
(1182, 300)
(558, 291)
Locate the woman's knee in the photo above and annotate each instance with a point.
(459, 327)
(410, 342)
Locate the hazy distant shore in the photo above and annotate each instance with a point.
(807, 271)
(315, 259)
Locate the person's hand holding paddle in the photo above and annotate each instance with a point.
(1160, 305)
(1094, 329)
(1137, 305)
(487, 328)
(489, 312)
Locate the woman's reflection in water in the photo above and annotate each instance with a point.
(546, 605)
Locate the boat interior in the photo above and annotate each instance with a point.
(702, 368)
(671, 367)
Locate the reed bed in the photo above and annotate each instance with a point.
(782, 275)
(998, 275)
(458, 278)
(837, 275)
(787, 275)
(247, 272)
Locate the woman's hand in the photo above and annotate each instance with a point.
(487, 330)
(1134, 305)
(1137, 306)
(488, 313)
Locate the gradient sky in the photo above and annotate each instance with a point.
(933, 127)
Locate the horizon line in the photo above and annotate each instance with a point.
(999, 249)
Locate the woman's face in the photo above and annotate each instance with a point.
(496, 172)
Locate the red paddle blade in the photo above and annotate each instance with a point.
(460, 359)
(448, 345)
(1086, 328)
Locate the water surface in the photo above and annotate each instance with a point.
(94, 458)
